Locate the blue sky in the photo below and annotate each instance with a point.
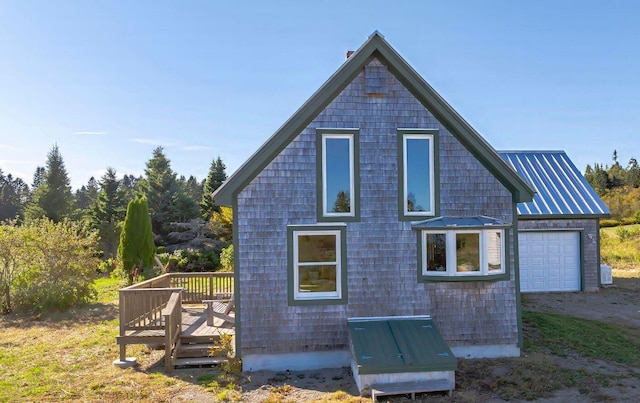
(108, 81)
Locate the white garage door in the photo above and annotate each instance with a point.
(549, 261)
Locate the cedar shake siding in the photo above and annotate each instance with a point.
(381, 250)
(590, 250)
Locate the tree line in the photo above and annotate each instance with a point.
(101, 204)
(619, 188)
(52, 239)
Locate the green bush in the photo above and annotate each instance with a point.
(607, 222)
(226, 258)
(136, 249)
(107, 266)
(46, 265)
(190, 260)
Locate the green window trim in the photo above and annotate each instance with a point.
(434, 172)
(293, 234)
(453, 276)
(323, 215)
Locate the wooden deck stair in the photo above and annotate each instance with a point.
(168, 310)
(194, 346)
(195, 352)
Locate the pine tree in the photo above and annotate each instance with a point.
(342, 203)
(14, 194)
(185, 206)
(38, 178)
(160, 186)
(86, 195)
(633, 173)
(136, 248)
(217, 176)
(130, 188)
(52, 198)
(107, 211)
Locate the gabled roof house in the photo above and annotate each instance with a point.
(375, 201)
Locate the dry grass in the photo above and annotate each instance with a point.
(68, 356)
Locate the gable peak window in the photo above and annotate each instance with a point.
(337, 174)
(417, 173)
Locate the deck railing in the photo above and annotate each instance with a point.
(172, 315)
(143, 305)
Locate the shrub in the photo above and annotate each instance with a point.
(607, 222)
(190, 260)
(46, 265)
(226, 258)
(136, 249)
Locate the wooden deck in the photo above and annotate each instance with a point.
(168, 310)
(194, 325)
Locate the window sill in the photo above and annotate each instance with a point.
(317, 302)
(442, 279)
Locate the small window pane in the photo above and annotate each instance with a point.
(316, 248)
(418, 176)
(317, 278)
(494, 251)
(467, 252)
(338, 175)
(436, 252)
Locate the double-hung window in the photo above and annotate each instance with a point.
(337, 172)
(417, 176)
(317, 264)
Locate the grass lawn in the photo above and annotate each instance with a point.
(620, 248)
(68, 356)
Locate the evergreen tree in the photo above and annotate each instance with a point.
(107, 211)
(14, 194)
(185, 206)
(130, 188)
(38, 178)
(136, 248)
(52, 198)
(217, 176)
(193, 188)
(633, 173)
(86, 195)
(342, 203)
(160, 187)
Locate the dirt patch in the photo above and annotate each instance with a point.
(618, 304)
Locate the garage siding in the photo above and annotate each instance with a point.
(590, 249)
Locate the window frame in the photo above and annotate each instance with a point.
(295, 297)
(451, 273)
(427, 134)
(323, 215)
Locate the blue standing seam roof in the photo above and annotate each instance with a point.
(561, 190)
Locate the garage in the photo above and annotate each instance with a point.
(549, 261)
(559, 230)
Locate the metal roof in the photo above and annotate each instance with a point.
(465, 222)
(561, 190)
(399, 344)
